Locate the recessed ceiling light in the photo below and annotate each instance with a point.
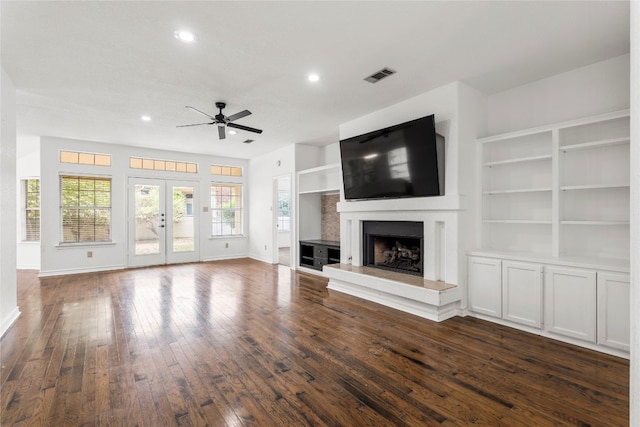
(233, 132)
(313, 77)
(145, 118)
(185, 36)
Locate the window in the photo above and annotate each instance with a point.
(162, 165)
(284, 217)
(226, 209)
(85, 209)
(85, 158)
(31, 210)
(226, 170)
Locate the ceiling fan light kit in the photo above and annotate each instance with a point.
(222, 121)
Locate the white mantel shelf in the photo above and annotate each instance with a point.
(412, 294)
(452, 202)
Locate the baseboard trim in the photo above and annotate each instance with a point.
(9, 320)
(66, 272)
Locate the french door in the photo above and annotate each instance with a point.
(163, 222)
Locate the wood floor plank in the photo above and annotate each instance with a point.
(243, 343)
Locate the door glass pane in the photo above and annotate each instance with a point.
(147, 217)
(183, 226)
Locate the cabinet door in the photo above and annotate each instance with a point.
(613, 310)
(570, 303)
(522, 293)
(485, 286)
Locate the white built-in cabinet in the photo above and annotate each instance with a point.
(522, 293)
(573, 304)
(554, 216)
(485, 286)
(570, 302)
(508, 290)
(614, 306)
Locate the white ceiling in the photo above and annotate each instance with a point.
(89, 70)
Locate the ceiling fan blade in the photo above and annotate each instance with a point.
(195, 124)
(221, 132)
(239, 115)
(247, 128)
(201, 112)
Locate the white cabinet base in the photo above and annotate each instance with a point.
(614, 307)
(587, 307)
(570, 303)
(522, 293)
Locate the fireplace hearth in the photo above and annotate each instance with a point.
(394, 245)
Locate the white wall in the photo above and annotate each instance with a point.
(634, 397)
(332, 153)
(27, 166)
(597, 88)
(65, 259)
(261, 227)
(9, 311)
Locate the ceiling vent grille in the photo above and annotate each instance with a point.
(379, 75)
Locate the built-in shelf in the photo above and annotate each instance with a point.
(558, 189)
(593, 187)
(595, 144)
(515, 221)
(314, 185)
(581, 222)
(322, 179)
(516, 191)
(327, 190)
(518, 160)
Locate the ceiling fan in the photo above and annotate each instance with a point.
(223, 121)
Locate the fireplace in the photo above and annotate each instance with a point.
(394, 245)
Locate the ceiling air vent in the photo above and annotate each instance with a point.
(248, 141)
(379, 75)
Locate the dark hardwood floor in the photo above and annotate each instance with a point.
(239, 343)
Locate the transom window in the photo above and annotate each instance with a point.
(85, 209)
(226, 170)
(76, 157)
(162, 165)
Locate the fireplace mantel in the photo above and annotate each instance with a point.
(441, 217)
(452, 202)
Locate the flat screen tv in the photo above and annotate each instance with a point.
(405, 160)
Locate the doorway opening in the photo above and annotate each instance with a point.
(282, 218)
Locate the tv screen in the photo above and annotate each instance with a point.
(405, 160)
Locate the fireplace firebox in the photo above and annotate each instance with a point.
(394, 245)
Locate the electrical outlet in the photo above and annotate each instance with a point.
(226, 245)
(89, 254)
(265, 247)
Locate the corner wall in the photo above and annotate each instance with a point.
(9, 311)
(264, 170)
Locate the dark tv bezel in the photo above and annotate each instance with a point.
(440, 161)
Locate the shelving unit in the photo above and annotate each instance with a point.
(556, 201)
(312, 184)
(559, 190)
(516, 189)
